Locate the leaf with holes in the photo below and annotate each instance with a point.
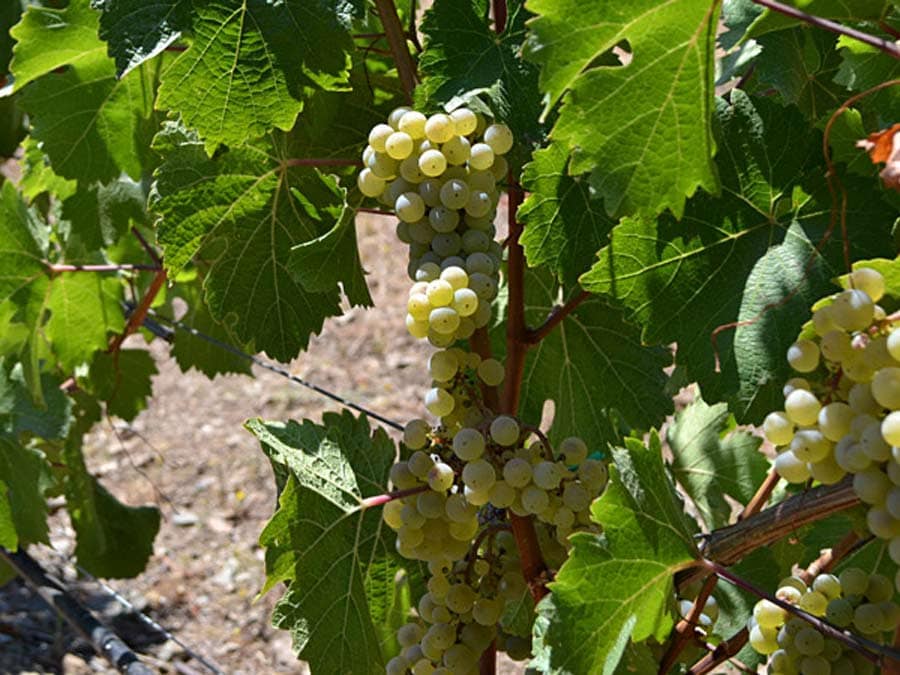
(742, 257)
(337, 559)
(243, 211)
(649, 155)
(251, 66)
(616, 588)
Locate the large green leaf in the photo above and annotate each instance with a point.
(863, 67)
(124, 380)
(464, 59)
(711, 459)
(137, 30)
(648, 155)
(244, 210)
(749, 255)
(113, 539)
(592, 362)
(26, 475)
(336, 557)
(565, 224)
(100, 214)
(23, 244)
(252, 63)
(616, 588)
(19, 414)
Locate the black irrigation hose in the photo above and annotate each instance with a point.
(104, 641)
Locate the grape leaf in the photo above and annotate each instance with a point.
(38, 177)
(191, 351)
(10, 13)
(8, 537)
(616, 588)
(246, 209)
(27, 477)
(100, 214)
(19, 414)
(737, 16)
(863, 67)
(112, 539)
(464, 59)
(23, 244)
(649, 155)
(124, 380)
(801, 65)
(84, 311)
(137, 30)
(564, 222)
(741, 257)
(840, 10)
(251, 64)
(713, 459)
(324, 545)
(593, 361)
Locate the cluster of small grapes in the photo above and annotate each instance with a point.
(439, 174)
(454, 395)
(854, 601)
(847, 419)
(685, 603)
(458, 616)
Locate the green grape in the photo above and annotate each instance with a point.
(762, 642)
(446, 244)
(791, 468)
(534, 499)
(778, 428)
(409, 634)
(465, 121)
(369, 184)
(415, 434)
(879, 588)
(886, 388)
(499, 137)
(482, 315)
(868, 618)
(475, 241)
(826, 470)
(890, 428)
(423, 667)
(882, 524)
(803, 356)
(501, 494)
(815, 665)
(396, 115)
(871, 486)
(823, 321)
(505, 430)
(466, 328)
(460, 659)
(455, 276)
(418, 329)
(439, 402)
(481, 263)
(546, 475)
(484, 286)
(465, 531)
(429, 272)
(398, 145)
(438, 585)
(431, 504)
(870, 281)
(465, 302)
(443, 366)
(573, 449)
(517, 648)
(476, 636)
(789, 594)
(802, 407)
(517, 472)
(782, 662)
(440, 293)
(593, 474)
(491, 372)
(481, 157)
(836, 346)
(418, 307)
(457, 151)
(420, 464)
(813, 602)
(468, 444)
(487, 611)
(454, 194)
(852, 310)
(828, 585)
(808, 641)
(378, 136)
(809, 445)
(440, 340)
(402, 477)
(440, 477)
(460, 598)
(410, 536)
(382, 166)
(444, 320)
(392, 514)
(432, 163)
(439, 128)
(892, 502)
(397, 666)
(413, 124)
(893, 344)
(565, 517)
(853, 581)
(794, 383)
(443, 220)
(479, 475)
(834, 420)
(478, 203)
(429, 190)
(768, 614)
(459, 510)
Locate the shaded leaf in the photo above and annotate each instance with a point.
(124, 380)
(26, 476)
(19, 414)
(100, 215)
(840, 10)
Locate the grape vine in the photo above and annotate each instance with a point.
(651, 247)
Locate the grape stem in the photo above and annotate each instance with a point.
(886, 46)
(396, 37)
(556, 316)
(380, 500)
(140, 312)
(59, 269)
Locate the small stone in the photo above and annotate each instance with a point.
(185, 519)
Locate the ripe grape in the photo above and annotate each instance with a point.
(778, 428)
(499, 137)
(517, 472)
(504, 430)
(491, 372)
(852, 310)
(465, 302)
(439, 402)
(464, 120)
(802, 407)
(576, 497)
(534, 499)
(399, 145)
(808, 641)
(803, 356)
(444, 320)
(482, 156)
(479, 475)
(546, 475)
(409, 207)
(468, 444)
(501, 494)
(439, 128)
(415, 434)
(457, 151)
(768, 614)
(412, 123)
(432, 163)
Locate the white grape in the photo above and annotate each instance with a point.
(491, 371)
(505, 430)
(534, 499)
(440, 477)
(499, 137)
(391, 513)
(415, 434)
(464, 120)
(801, 406)
(852, 310)
(882, 524)
(869, 281)
(369, 184)
(440, 293)
(792, 469)
(886, 388)
(455, 276)
(576, 497)
(803, 356)
(593, 474)
(457, 151)
(546, 475)
(418, 329)
(834, 420)
(443, 366)
(444, 320)
(890, 428)
(768, 614)
(809, 641)
(412, 123)
(442, 219)
(468, 444)
(439, 402)
(809, 445)
(398, 145)
(409, 207)
(893, 344)
(378, 136)
(479, 475)
(432, 163)
(420, 464)
(501, 494)
(454, 194)
(778, 428)
(762, 642)
(478, 203)
(486, 611)
(458, 509)
(439, 128)
(482, 157)
(517, 472)
(836, 346)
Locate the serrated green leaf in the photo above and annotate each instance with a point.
(592, 362)
(8, 537)
(48, 38)
(564, 221)
(839, 10)
(100, 215)
(649, 155)
(737, 16)
(191, 351)
(244, 212)
(251, 64)
(23, 244)
(26, 475)
(331, 259)
(863, 67)
(124, 380)
(137, 30)
(742, 257)
(10, 14)
(711, 459)
(113, 540)
(38, 176)
(323, 544)
(465, 58)
(616, 588)
(84, 311)
(19, 414)
(801, 64)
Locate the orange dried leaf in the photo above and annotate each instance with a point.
(884, 146)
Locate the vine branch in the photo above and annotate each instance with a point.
(396, 37)
(889, 48)
(140, 312)
(59, 269)
(556, 316)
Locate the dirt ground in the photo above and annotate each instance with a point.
(189, 454)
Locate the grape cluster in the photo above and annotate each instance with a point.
(844, 415)
(439, 174)
(685, 603)
(854, 601)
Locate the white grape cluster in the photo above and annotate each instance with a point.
(439, 174)
(455, 396)
(844, 415)
(685, 603)
(854, 601)
(458, 616)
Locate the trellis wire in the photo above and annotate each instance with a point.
(161, 331)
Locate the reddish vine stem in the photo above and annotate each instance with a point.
(759, 499)
(500, 13)
(154, 256)
(685, 629)
(396, 37)
(59, 269)
(320, 161)
(140, 312)
(556, 316)
(380, 500)
(887, 47)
